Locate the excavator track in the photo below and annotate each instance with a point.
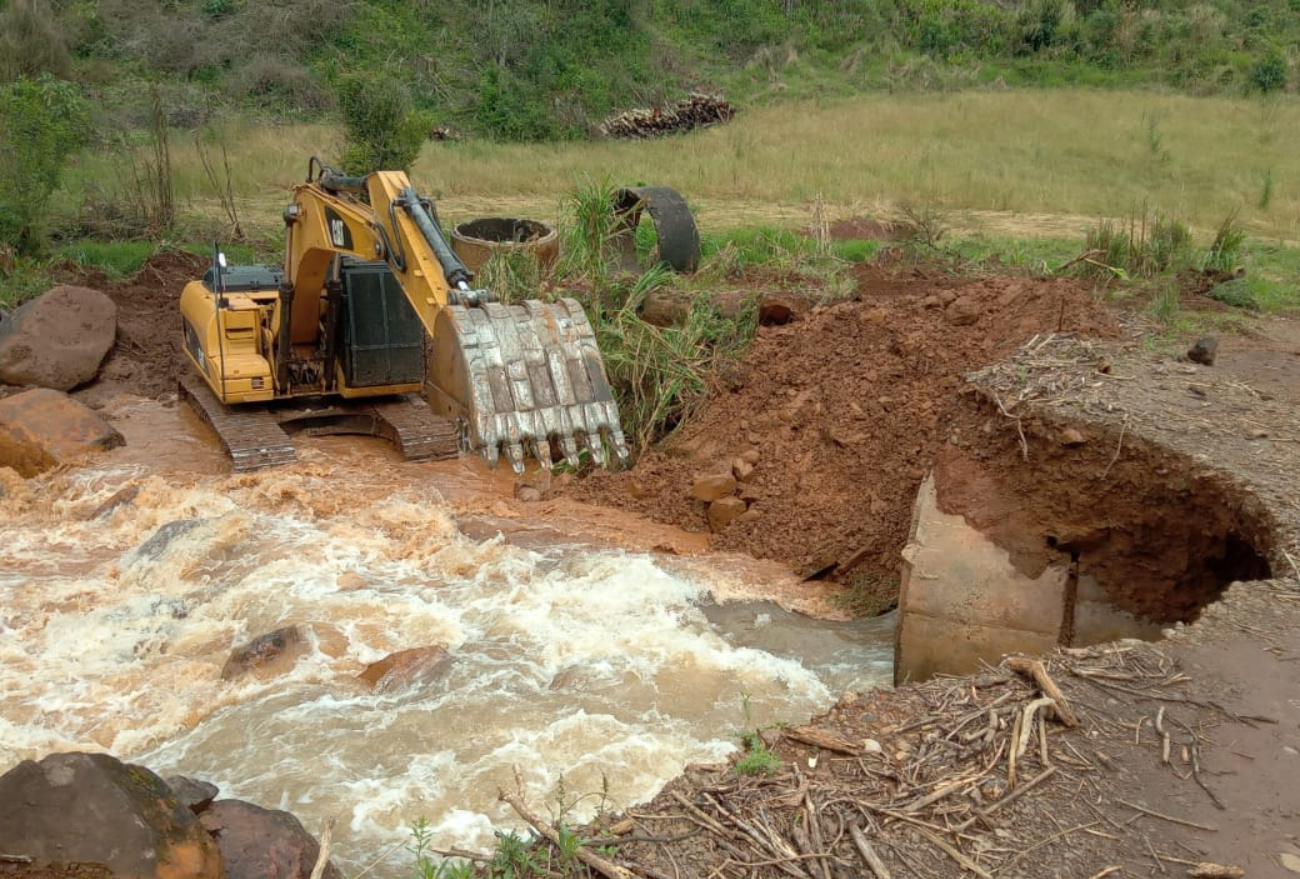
(416, 432)
(252, 437)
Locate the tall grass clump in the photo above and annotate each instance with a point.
(589, 240)
(660, 375)
(1142, 248)
(1224, 252)
(513, 275)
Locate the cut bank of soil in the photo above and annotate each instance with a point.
(846, 409)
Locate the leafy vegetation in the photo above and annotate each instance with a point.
(42, 121)
(518, 70)
(384, 130)
(758, 759)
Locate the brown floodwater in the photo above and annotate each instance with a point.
(590, 650)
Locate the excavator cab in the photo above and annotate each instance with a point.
(368, 279)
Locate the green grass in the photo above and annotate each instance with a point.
(759, 760)
(1039, 256)
(856, 250)
(1272, 271)
(1008, 159)
(117, 258)
(28, 280)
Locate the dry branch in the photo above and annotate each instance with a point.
(1163, 817)
(1215, 871)
(955, 854)
(869, 855)
(1035, 669)
(810, 735)
(323, 856)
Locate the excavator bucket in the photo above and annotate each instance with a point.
(525, 379)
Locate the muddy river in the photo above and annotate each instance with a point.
(597, 669)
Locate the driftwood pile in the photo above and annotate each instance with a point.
(1002, 774)
(696, 111)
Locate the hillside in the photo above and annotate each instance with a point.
(526, 70)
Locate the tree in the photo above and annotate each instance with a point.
(1269, 74)
(42, 122)
(384, 131)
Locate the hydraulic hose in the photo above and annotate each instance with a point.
(455, 271)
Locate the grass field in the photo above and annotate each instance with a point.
(1011, 162)
(1023, 174)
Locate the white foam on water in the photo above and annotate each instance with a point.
(585, 671)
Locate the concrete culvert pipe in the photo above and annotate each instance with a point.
(476, 241)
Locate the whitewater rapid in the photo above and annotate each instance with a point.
(597, 674)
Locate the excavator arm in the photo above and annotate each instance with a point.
(516, 378)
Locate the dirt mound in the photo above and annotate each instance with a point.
(846, 410)
(146, 355)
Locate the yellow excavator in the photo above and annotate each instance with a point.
(373, 326)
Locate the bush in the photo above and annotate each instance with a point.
(42, 122)
(30, 42)
(1269, 74)
(511, 108)
(384, 131)
(1147, 247)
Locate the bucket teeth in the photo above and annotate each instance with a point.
(521, 376)
(596, 448)
(515, 452)
(542, 451)
(570, 448)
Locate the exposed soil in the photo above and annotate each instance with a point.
(146, 357)
(1160, 532)
(926, 775)
(846, 409)
(1166, 479)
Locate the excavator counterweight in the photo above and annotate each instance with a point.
(340, 333)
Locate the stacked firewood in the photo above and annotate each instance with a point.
(696, 111)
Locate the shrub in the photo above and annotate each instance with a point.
(1224, 252)
(42, 122)
(1269, 74)
(384, 131)
(511, 108)
(271, 79)
(30, 41)
(1145, 248)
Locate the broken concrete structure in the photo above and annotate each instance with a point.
(964, 602)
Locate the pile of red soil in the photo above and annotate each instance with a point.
(145, 359)
(846, 409)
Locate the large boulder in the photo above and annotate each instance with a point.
(57, 340)
(259, 843)
(94, 808)
(41, 428)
